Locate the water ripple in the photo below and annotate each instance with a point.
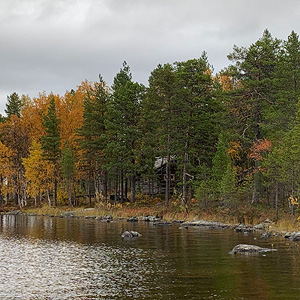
(39, 269)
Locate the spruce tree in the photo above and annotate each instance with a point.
(13, 105)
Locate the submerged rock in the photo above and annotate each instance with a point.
(250, 249)
(243, 228)
(132, 219)
(151, 219)
(90, 217)
(266, 235)
(210, 224)
(162, 223)
(178, 221)
(130, 234)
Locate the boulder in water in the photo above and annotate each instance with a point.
(132, 219)
(250, 249)
(130, 234)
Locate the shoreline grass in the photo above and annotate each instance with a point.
(248, 215)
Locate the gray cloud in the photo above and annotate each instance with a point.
(54, 45)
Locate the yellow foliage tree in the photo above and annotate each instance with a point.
(38, 173)
(6, 170)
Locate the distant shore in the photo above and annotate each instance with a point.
(266, 227)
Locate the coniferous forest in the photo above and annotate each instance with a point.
(224, 140)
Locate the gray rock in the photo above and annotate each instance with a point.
(264, 225)
(162, 223)
(295, 236)
(151, 219)
(130, 234)
(243, 228)
(69, 214)
(268, 221)
(288, 235)
(250, 249)
(260, 226)
(108, 217)
(210, 224)
(132, 219)
(89, 217)
(266, 235)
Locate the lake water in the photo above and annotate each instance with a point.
(53, 258)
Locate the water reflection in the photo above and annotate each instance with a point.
(39, 269)
(52, 258)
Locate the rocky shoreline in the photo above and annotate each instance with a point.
(264, 227)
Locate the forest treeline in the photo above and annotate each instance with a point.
(228, 139)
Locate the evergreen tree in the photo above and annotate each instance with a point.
(122, 124)
(160, 117)
(197, 110)
(51, 142)
(220, 160)
(254, 97)
(92, 137)
(13, 105)
(287, 83)
(68, 169)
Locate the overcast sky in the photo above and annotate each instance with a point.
(53, 45)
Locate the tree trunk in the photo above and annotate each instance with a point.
(116, 188)
(105, 186)
(256, 177)
(276, 201)
(49, 199)
(74, 197)
(69, 192)
(55, 191)
(255, 192)
(122, 186)
(184, 181)
(126, 189)
(149, 187)
(167, 179)
(133, 182)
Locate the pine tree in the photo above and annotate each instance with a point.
(68, 169)
(92, 137)
(51, 142)
(197, 110)
(122, 125)
(160, 116)
(287, 84)
(254, 96)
